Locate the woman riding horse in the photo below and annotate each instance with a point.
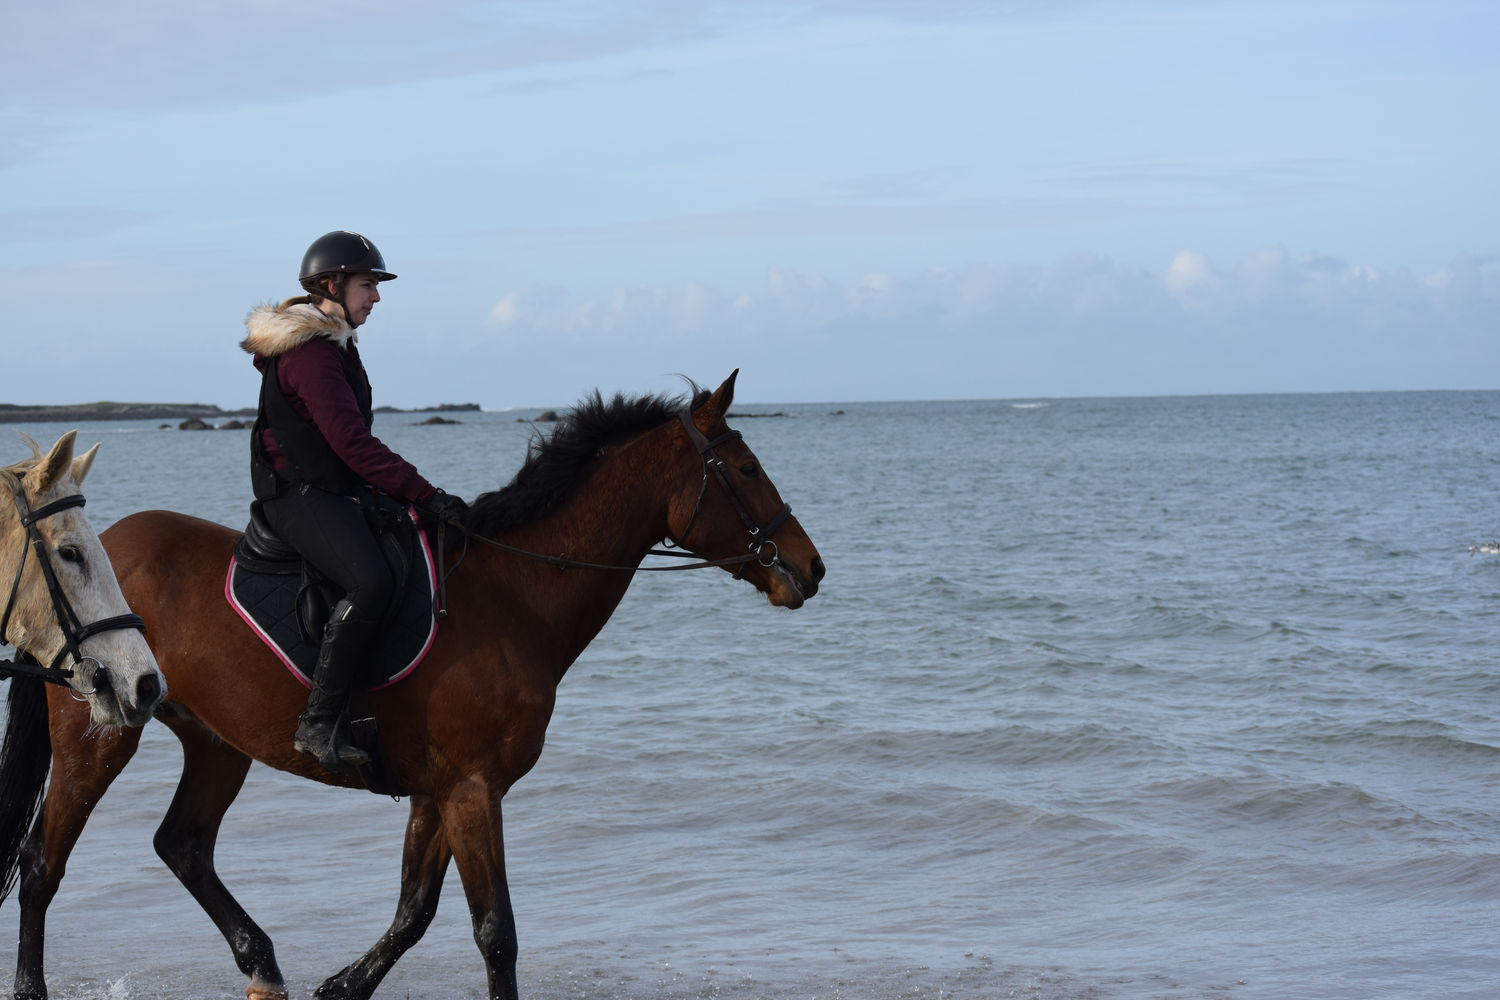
(612, 480)
(314, 464)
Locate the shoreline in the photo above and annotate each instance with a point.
(12, 413)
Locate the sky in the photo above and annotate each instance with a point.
(871, 200)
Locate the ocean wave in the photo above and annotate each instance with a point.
(1412, 739)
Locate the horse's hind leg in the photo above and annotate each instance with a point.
(83, 767)
(212, 774)
(424, 862)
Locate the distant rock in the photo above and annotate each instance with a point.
(233, 425)
(435, 420)
(11, 413)
(194, 424)
(440, 408)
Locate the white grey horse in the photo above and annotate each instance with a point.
(59, 600)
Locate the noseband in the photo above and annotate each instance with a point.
(760, 535)
(73, 631)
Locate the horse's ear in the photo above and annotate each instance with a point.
(53, 465)
(83, 463)
(717, 405)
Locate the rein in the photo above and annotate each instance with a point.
(563, 562)
(760, 535)
(74, 632)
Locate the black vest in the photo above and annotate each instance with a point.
(312, 459)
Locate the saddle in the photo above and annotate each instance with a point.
(285, 601)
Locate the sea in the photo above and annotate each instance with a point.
(1189, 697)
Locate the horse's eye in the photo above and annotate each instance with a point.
(750, 470)
(71, 554)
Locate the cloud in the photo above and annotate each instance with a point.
(173, 53)
(1085, 325)
(504, 312)
(1082, 326)
(797, 301)
(181, 53)
(1190, 276)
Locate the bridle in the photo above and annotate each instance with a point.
(74, 632)
(761, 550)
(760, 534)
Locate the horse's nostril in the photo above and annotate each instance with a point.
(818, 569)
(147, 690)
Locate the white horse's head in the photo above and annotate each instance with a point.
(113, 669)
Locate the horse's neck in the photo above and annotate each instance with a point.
(614, 518)
(14, 544)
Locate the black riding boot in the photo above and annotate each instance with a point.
(320, 731)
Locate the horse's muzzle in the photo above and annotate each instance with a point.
(799, 586)
(815, 571)
(132, 707)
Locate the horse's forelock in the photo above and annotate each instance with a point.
(25, 465)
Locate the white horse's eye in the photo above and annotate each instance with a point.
(71, 554)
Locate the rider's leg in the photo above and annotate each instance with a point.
(330, 532)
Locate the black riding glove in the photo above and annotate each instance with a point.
(445, 507)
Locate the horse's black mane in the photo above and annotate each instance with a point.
(554, 463)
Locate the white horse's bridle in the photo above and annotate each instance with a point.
(74, 632)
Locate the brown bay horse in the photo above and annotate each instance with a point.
(611, 481)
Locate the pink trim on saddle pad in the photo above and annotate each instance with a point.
(287, 661)
(255, 627)
(432, 588)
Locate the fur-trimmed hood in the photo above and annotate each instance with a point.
(275, 329)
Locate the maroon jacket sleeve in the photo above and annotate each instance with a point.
(312, 378)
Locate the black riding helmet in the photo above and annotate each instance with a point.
(340, 252)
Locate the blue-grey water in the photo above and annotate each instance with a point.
(1105, 698)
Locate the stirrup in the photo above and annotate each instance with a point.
(340, 758)
(325, 745)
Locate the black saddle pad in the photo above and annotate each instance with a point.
(267, 601)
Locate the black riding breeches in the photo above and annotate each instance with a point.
(330, 531)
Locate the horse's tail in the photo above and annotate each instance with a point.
(25, 758)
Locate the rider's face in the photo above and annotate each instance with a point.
(361, 292)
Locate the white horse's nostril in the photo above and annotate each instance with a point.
(148, 691)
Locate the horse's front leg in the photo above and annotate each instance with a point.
(212, 774)
(424, 862)
(84, 764)
(471, 824)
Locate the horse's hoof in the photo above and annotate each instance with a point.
(263, 991)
